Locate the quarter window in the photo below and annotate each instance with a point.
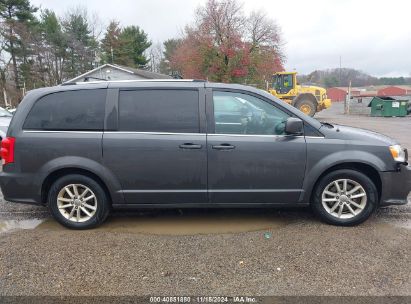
(69, 110)
(173, 111)
(237, 113)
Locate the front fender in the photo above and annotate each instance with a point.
(334, 159)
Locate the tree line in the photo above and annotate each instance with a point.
(344, 76)
(39, 48)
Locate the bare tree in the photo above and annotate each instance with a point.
(96, 25)
(155, 53)
(263, 31)
(222, 19)
(225, 45)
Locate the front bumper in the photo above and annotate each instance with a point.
(396, 186)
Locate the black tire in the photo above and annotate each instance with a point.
(102, 202)
(307, 103)
(356, 176)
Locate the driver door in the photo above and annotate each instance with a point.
(250, 158)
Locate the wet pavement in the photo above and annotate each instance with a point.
(212, 252)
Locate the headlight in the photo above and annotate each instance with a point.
(398, 153)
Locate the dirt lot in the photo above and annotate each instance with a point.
(212, 252)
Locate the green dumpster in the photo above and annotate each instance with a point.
(388, 107)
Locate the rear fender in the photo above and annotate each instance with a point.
(74, 162)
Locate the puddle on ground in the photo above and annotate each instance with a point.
(10, 225)
(396, 216)
(400, 223)
(183, 224)
(197, 221)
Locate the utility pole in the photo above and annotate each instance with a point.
(112, 54)
(340, 71)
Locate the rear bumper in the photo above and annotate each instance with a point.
(396, 186)
(20, 188)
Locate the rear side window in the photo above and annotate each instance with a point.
(70, 110)
(173, 111)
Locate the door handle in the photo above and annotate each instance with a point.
(189, 146)
(223, 147)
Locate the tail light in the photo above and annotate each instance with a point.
(7, 150)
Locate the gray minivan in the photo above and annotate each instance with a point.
(83, 149)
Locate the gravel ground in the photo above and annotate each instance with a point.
(212, 252)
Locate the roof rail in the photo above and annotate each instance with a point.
(132, 80)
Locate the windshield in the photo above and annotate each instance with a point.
(312, 121)
(5, 113)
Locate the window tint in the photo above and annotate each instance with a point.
(159, 111)
(70, 110)
(237, 113)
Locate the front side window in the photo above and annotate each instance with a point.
(69, 110)
(238, 113)
(173, 111)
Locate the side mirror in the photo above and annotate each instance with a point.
(294, 126)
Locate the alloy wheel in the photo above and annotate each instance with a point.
(77, 203)
(344, 198)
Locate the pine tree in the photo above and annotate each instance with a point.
(133, 44)
(16, 17)
(54, 46)
(170, 46)
(81, 46)
(111, 44)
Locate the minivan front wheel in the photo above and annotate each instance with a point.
(345, 197)
(78, 202)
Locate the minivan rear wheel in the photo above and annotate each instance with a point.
(78, 202)
(345, 197)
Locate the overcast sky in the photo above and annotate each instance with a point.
(370, 35)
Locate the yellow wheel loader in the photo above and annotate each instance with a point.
(308, 99)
